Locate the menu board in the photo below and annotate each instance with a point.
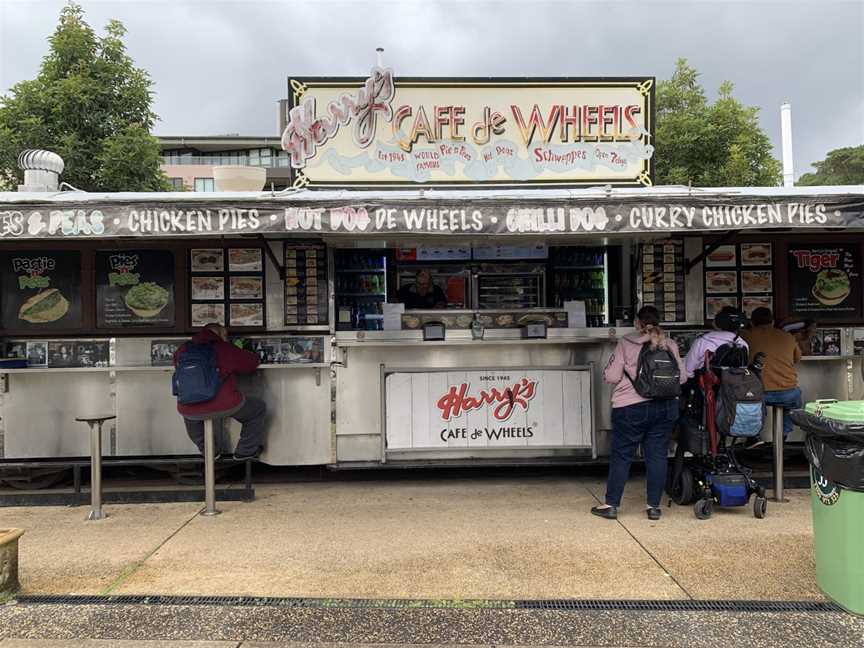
(740, 276)
(134, 288)
(226, 286)
(825, 281)
(662, 275)
(306, 285)
(41, 290)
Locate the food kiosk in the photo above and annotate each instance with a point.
(98, 290)
(526, 206)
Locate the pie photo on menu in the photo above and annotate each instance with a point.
(756, 281)
(208, 288)
(247, 315)
(207, 260)
(756, 254)
(721, 281)
(246, 288)
(203, 314)
(244, 260)
(714, 305)
(749, 304)
(722, 256)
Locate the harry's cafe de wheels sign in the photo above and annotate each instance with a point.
(383, 132)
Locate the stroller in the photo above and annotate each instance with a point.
(713, 474)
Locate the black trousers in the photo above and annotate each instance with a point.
(250, 415)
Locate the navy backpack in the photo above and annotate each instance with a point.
(196, 376)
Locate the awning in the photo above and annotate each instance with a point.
(420, 213)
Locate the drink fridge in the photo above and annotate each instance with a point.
(581, 274)
(361, 289)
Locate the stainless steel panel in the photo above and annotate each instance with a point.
(358, 383)
(39, 413)
(147, 418)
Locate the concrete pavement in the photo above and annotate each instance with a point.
(492, 538)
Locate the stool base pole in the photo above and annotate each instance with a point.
(96, 512)
(778, 453)
(209, 470)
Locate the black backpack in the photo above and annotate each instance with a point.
(658, 375)
(740, 406)
(730, 354)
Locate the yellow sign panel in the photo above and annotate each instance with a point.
(384, 131)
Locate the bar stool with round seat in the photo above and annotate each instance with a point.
(95, 422)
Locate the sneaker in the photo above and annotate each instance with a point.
(608, 512)
(756, 443)
(653, 512)
(254, 455)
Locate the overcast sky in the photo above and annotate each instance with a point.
(219, 67)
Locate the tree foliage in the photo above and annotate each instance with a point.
(843, 166)
(705, 144)
(89, 104)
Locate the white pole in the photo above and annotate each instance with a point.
(379, 51)
(786, 138)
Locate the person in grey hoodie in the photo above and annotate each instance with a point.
(637, 420)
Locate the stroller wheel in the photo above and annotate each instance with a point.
(681, 489)
(703, 509)
(760, 507)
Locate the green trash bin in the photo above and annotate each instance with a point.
(835, 449)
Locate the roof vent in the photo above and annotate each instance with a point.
(42, 170)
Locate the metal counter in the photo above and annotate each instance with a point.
(388, 384)
(38, 407)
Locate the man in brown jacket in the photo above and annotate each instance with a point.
(779, 376)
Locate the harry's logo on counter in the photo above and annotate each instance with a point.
(122, 266)
(34, 268)
(505, 401)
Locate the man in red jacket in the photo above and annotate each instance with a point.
(229, 401)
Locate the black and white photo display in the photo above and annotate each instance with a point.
(226, 286)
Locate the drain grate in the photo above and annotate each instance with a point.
(551, 604)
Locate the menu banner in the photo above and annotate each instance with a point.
(134, 288)
(662, 276)
(307, 214)
(825, 281)
(41, 290)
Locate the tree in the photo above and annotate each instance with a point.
(843, 166)
(90, 105)
(710, 145)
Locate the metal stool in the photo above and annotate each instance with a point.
(95, 423)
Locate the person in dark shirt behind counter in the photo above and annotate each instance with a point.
(422, 294)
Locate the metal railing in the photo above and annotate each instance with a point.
(218, 160)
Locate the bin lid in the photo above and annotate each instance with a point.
(851, 411)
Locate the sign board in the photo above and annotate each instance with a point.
(825, 281)
(488, 409)
(134, 288)
(41, 290)
(155, 216)
(385, 131)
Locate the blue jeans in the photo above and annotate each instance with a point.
(649, 423)
(788, 399)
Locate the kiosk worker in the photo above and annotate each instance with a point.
(637, 420)
(422, 294)
(782, 353)
(229, 400)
